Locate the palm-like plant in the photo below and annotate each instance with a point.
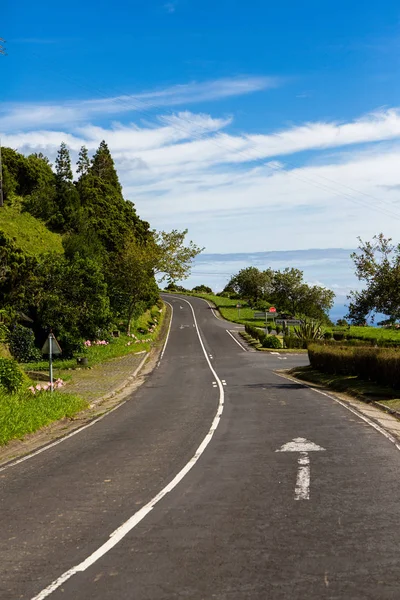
(310, 329)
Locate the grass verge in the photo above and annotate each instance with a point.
(352, 385)
(22, 413)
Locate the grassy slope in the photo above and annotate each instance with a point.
(23, 413)
(30, 234)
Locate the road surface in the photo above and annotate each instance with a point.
(269, 490)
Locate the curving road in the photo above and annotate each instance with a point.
(219, 479)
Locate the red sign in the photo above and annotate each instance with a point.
(272, 309)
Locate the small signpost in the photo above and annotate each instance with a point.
(238, 306)
(51, 347)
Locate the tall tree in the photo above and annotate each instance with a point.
(134, 287)
(103, 167)
(83, 163)
(174, 258)
(67, 196)
(378, 265)
(63, 165)
(252, 284)
(292, 295)
(104, 208)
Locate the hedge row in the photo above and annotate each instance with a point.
(380, 365)
(267, 341)
(340, 336)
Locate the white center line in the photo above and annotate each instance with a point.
(117, 535)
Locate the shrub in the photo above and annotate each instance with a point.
(380, 365)
(255, 333)
(11, 376)
(328, 335)
(271, 341)
(308, 330)
(278, 329)
(21, 341)
(339, 336)
(292, 342)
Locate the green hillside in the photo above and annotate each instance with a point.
(30, 234)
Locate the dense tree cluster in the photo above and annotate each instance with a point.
(378, 265)
(111, 256)
(285, 289)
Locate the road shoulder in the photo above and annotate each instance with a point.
(387, 422)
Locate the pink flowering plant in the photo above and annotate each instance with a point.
(46, 387)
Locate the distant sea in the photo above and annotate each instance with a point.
(330, 267)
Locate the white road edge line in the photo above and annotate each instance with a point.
(370, 422)
(168, 332)
(235, 340)
(117, 535)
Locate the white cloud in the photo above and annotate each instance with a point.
(27, 116)
(184, 171)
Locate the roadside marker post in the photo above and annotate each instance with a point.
(50, 347)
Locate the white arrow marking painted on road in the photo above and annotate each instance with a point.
(303, 446)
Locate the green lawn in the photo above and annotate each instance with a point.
(30, 234)
(23, 412)
(228, 310)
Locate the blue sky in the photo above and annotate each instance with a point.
(259, 127)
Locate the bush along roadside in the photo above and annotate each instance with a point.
(378, 365)
(259, 339)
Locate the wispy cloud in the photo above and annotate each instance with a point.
(232, 191)
(25, 116)
(170, 7)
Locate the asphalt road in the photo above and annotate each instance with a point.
(241, 521)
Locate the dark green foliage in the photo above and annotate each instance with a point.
(271, 341)
(16, 273)
(83, 163)
(292, 342)
(255, 333)
(202, 289)
(339, 335)
(66, 197)
(252, 284)
(327, 335)
(72, 299)
(278, 329)
(378, 265)
(11, 376)
(21, 342)
(380, 365)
